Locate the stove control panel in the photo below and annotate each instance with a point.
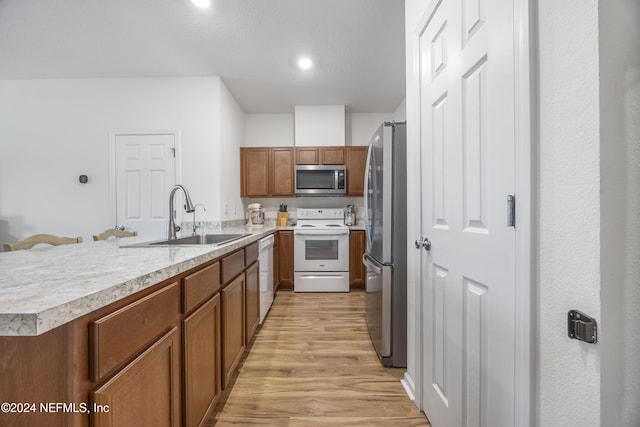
(331, 213)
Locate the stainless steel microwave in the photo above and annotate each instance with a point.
(321, 180)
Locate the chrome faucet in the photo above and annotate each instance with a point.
(188, 207)
(195, 227)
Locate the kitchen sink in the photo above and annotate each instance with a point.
(205, 239)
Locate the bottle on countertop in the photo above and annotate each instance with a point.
(350, 215)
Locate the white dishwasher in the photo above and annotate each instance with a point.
(265, 256)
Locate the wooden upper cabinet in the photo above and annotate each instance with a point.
(282, 180)
(254, 172)
(332, 155)
(307, 156)
(356, 163)
(266, 172)
(319, 155)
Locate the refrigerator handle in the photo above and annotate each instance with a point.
(367, 208)
(371, 264)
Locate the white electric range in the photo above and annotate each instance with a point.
(321, 251)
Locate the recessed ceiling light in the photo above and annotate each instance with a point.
(305, 63)
(202, 3)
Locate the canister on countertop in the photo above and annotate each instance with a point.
(350, 215)
(283, 216)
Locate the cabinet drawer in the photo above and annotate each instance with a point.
(115, 338)
(251, 253)
(201, 285)
(232, 265)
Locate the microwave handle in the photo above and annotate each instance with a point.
(335, 179)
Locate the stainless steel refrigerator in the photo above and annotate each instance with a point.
(386, 233)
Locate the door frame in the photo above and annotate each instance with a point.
(112, 164)
(525, 119)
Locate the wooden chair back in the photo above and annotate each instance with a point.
(114, 233)
(36, 239)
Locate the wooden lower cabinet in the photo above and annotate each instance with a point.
(202, 368)
(276, 261)
(286, 258)
(357, 246)
(160, 357)
(252, 301)
(146, 392)
(232, 297)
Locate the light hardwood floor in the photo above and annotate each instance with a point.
(312, 364)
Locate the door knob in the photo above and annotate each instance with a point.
(423, 242)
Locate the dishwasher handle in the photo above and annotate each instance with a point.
(266, 242)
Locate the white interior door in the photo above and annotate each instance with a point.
(466, 101)
(145, 172)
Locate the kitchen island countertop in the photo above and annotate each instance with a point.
(43, 288)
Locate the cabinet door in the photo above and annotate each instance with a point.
(146, 392)
(356, 162)
(307, 156)
(202, 362)
(254, 172)
(232, 327)
(276, 262)
(357, 270)
(282, 171)
(286, 257)
(332, 155)
(252, 300)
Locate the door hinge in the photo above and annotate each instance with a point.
(511, 210)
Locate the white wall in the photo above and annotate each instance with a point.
(51, 131)
(277, 130)
(232, 136)
(400, 115)
(619, 24)
(568, 371)
(269, 130)
(361, 126)
(319, 125)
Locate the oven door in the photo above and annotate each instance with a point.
(321, 250)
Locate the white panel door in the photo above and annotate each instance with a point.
(145, 173)
(466, 99)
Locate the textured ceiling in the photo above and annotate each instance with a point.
(251, 44)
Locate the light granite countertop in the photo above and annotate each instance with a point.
(43, 288)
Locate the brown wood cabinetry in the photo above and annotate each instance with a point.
(202, 368)
(286, 258)
(357, 246)
(319, 155)
(254, 172)
(307, 156)
(281, 173)
(266, 172)
(232, 296)
(356, 162)
(146, 392)
(252, 301)
(116, 337)
(158, 357)
(276, 261)
(332, 155)
(201, 285)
